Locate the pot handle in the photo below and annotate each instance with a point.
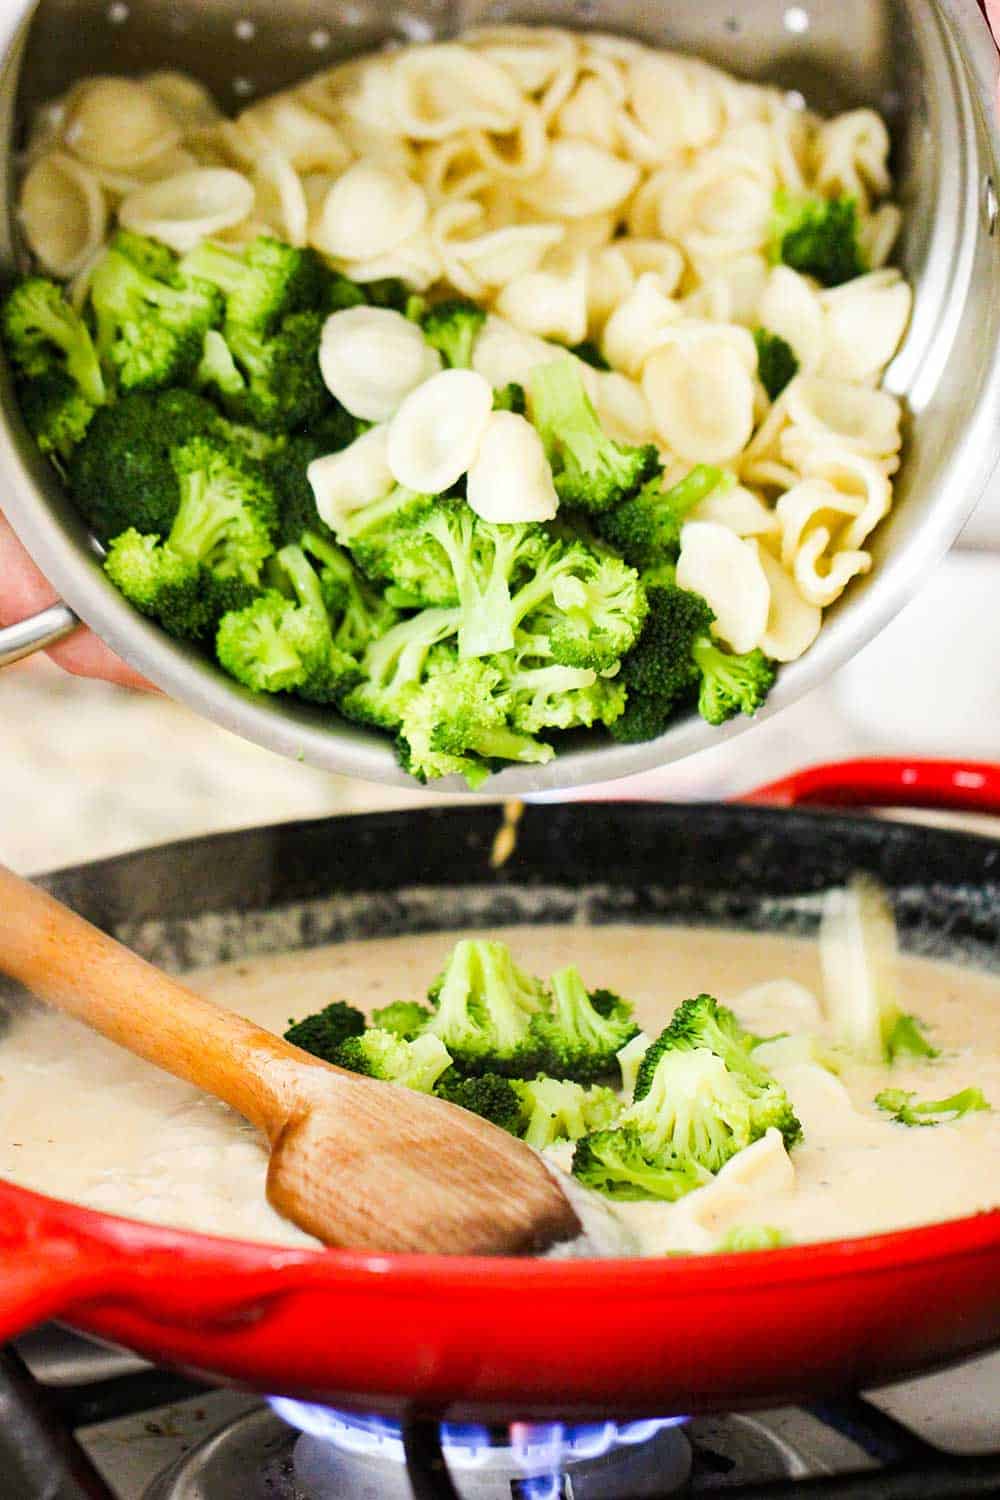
(44, 1267)
(36, 633)
(962, 786)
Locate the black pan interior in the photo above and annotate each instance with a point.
(298, 885)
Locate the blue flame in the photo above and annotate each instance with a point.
(540, 1450)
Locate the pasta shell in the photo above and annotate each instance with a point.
(638, 324)
(510, 479)
(310, 142)
(354, 476)
(279, 197)
(791, 307)
(120, 123)
(792, 622)
(177, 159)
(578, 180)
(550, 303)
(187, 99)
(441, 89)
(63, 213)
(503, 353)
(738, 508)
(701, 398)
(183, 210)
(371, 358)
(532, 55)
(368, 211)
(609, 280)
(856, 416)
(676, 101)
(435, 435)
(727, 572)
(811, 505)
(865, 322)
(822, 576)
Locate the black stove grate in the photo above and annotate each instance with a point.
(40, 1458)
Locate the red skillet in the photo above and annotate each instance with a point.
(491, 1340)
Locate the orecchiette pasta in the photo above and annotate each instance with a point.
(577, 186)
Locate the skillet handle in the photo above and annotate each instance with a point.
(962, 786)
(44, 1266)
(37, 633)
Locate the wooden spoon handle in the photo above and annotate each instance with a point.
(63, 959)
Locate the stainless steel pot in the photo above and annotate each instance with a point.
(930, 67)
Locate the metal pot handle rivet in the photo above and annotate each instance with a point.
(36, 633)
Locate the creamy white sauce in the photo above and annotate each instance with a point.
(82, 1120)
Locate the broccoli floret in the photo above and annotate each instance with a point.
(150, 327)
(379, 1054)
(339, 291)
(898, 1103)
(589, 470)
(484, 1009)
(555, 1110)
(510, 397)
(386, 541)
(493, 1098)
(630, 1059)
(543, 694)
(227, 512)
(692, 1105)
(277, 645)
(405, 1018)
(160, 582)
(121, 474)
(589, 604)
(647, 528)
(394, 666)
(43, 334)
(818, 236)
(217, 368)
(322, 1033)
(614, 1162)
(359, 613)
(906, 1039)
(659, 673)
(731, 683)
(582, 1035)
(751, 1237)
(777, 363)
(453, 327)
(456, 724)
(702, 1024)
(55, 412)
(389, 292)
(260, 284)
(486, 561)
(284, 387)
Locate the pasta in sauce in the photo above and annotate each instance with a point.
(583, 187)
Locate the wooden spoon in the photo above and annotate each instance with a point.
(354, 1162)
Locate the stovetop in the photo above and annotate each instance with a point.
(79, 1421)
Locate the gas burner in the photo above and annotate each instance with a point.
(337, 1456)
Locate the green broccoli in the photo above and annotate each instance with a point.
(456, 724)
(405, 1018)
(702, 1024)
(690, 1104)
(121, 475)
(151, 324)
(584, 1032)
(55, 412)
(488, 1095)
(554, 1110)
(161, 583)
(217, 367)
(731, 683)
(630, 1059)
(484, 1005)
(394, 666)
(591, 354)
(45, 336)
(379, 1054)
(659, 672)
(283, 388)
(543, 694)
(227, 512)
(322, 1033)
(590, 471)
(452, 327)
(777, 362)
(898, 1103)
(359, 613)
(752, 1237)
(261, 284)
(389, 292)
(818, 236)
(589, 604)
(486, 561)
(280, 645)
(906, 1039)
(386, 541)
(615, 1162)
(646, 529)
